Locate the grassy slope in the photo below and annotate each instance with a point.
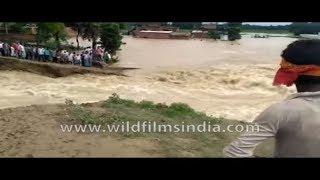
(116, 110)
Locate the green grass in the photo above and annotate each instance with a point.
(116, 110)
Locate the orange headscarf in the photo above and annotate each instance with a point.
(288, 72)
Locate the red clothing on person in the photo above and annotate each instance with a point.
(289, 73)
(98, 51)
(16, 48)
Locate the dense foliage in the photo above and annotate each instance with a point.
(305, 28)
(46, 32)
(234, 31)
(110, 37)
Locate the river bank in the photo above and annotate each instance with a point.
(55, 70)
(35, 131)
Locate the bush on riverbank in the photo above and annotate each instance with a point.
(116, 110)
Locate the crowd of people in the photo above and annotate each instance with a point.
(88, 57)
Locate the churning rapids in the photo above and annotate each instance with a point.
(232, 80)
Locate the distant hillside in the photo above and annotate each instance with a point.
(266, 29)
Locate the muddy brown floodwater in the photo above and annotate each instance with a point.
(220, 78)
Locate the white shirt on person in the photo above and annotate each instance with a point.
(78, 57)
(40, 51)
(21, 48)
(70, 58)
(12, 51)
(295, 124)
(66, 53)
(86, 57)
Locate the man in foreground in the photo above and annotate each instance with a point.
(295, 122)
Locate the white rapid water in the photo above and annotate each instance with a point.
(231, 80)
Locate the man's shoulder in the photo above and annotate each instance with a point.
(284, 104)
(288, 106)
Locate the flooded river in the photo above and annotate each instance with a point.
(220, 78)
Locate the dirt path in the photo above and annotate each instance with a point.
(34, 131)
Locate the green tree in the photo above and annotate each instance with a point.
(79, 28)
(234, 31)
(258, 28)
(48, 31)
(214, 34)
(111, 37)
(123, 26)
(304, 28)
(18, 27)
(5, 26)
(91, 31)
